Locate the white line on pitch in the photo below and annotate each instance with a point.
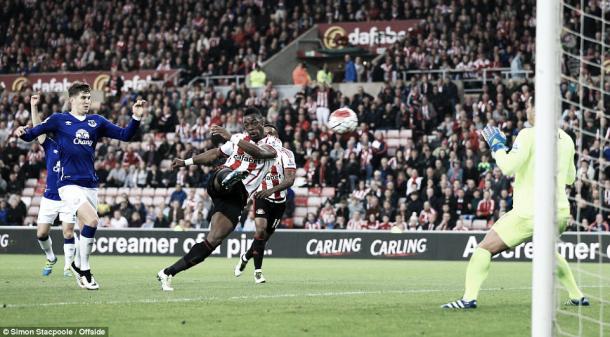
(254, 297)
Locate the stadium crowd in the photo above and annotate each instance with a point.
(443, 177)
(230, 37)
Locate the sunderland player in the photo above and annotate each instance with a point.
(250, 156)
(517, 225)
(269, 205)
(76, 134)
(51, 205)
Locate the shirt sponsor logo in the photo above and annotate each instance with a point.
(68, 123)
(82, 138)
(56, 167)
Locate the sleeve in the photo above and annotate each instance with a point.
(227, 148)
(48, 125)
(288, 159)
(510, 162)
(112, 131)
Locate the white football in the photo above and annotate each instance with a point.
(343, 120)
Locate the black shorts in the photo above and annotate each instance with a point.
(231, 202)
(271, 211)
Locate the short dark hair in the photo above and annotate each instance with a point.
(255, 113)
(78, 87)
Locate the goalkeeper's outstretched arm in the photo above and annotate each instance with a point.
(509, 162)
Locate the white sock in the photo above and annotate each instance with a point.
(85, 245)
(69, 249)
(76, 251)
(47, 247)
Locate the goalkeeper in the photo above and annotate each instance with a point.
(517, 225)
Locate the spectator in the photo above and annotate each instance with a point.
(351, 75)
(257, 77)
(178, 195)
(312, 222)
(16, 211)
(324, 76)
(599, 225)
(118, 220)
(300, 76)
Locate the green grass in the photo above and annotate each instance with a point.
(302, 298)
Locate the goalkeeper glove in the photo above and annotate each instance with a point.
(494, 138)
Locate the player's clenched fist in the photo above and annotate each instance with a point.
(178, 163)
(20, 131)
(34, 99)
(138, 108)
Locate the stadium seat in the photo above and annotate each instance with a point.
(406, 133)
(28, 192)
(101, 192)
(393, 142)
(328, 192)
(315, 201)
(298, 221)
(159, 201)
(300, 212)
(27, 201)
(479, 224)
(112, 191)
(301, 172)
(160, 192)
(33, 211)
(300, 191)
(393, 134)
(300, 201)
(110, 200)
(32, 182)
(35, 201)
(147, 201)
(314, 191)
(124, 190)
(148, 192)
(134, 200)
(135, 191)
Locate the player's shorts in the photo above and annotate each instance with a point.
(514, 229)
(271, 211)
(50, 209)
(230, 203)
(75, 196)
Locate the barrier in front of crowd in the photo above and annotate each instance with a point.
(585, 247)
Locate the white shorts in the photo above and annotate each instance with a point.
(75, 196)
(49, 209)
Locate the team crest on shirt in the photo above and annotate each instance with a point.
(82, 138)
(68, 123)
(92, 123)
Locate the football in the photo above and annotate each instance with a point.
(343, 120)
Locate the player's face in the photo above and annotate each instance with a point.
(81, 102)
(254, 128)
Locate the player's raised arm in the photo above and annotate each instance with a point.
(125, 134)
(207, 158)
(257, 152)
(48, 125)
(34, 99)
(508, 162)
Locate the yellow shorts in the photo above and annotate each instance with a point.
(514, 229)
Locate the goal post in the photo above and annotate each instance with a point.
(548, 70)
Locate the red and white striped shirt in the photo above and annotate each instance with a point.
(240, 160)
(277, 173)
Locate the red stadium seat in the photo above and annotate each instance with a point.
(300, 201)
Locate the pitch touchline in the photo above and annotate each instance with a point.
(254, 297)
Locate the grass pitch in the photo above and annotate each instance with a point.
(312, 297)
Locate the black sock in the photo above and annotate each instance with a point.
(196, 255)
(258, 250)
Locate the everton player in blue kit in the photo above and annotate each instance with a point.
(51, 205)
(76, 134)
